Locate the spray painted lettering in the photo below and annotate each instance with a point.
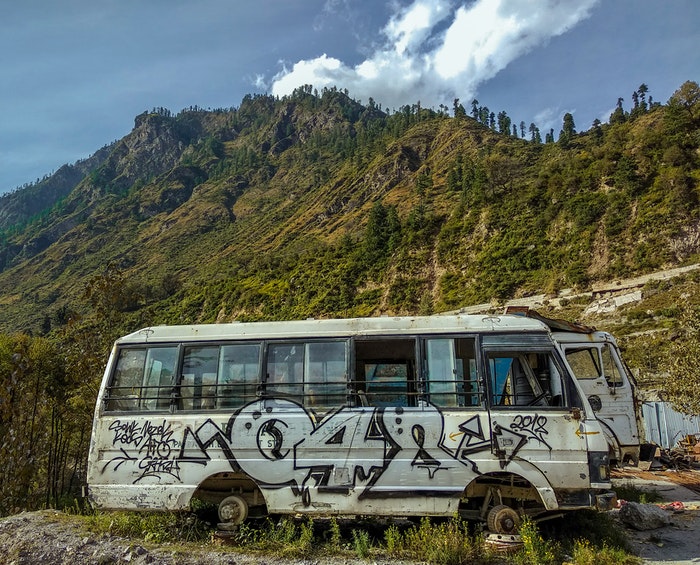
(154, 443)
(280, 444)
(533, 426)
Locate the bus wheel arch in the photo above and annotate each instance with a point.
(501, 499)
(236, 495)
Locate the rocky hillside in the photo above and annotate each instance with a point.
(317, 205)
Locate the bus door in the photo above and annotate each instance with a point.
(604, 380)
(536, 419)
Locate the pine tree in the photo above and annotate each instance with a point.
(618, 116)
(568, 130)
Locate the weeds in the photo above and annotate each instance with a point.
(436, 542)
(586, 554)
(599, 530)
(361, 543)
(393, 539)
(439, 543)
(156, 527)
(536, 550)
(336, 538)
(633, 493)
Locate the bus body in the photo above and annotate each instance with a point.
(409, 416)
(595, 360)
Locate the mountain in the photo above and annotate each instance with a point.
(317, 205)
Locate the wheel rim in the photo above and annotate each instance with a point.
(503, 519)
(233, 510)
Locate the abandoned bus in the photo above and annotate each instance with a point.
(411, 416)
(595, 360)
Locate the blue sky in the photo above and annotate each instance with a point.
(75, 73)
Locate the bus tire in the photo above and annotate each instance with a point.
(502, 519)
(233, 510)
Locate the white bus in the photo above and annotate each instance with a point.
(605, 379)
(413, 416)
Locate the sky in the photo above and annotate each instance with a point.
(75, 73)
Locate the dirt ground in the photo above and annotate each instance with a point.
(678, 543)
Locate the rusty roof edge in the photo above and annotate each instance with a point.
(553, 323)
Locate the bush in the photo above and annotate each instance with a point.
(441, 543)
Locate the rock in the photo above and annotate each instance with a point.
(644, 516)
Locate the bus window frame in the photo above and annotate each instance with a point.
(138, 401)
(358, 384)
(305, 398)
(569, 398)
(479, 380)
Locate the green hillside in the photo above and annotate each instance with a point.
(315, 205)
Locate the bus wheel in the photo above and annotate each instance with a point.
(233, 510)
(502, 519)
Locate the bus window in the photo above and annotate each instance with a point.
(610, 368)
(143, 379)
(239, 372)
(312, 373)
(593, 363)
(285, 364)
(386, 383)
(325, 377)
(524, 379)
(126, 387)
(451, 372)
(386, 372)
(159, 378)
(198, 383)
(584, 362)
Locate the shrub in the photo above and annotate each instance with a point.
(536, 550)
(361, 543)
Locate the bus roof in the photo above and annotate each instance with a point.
(336, 328)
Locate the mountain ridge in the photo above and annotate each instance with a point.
(232, 208)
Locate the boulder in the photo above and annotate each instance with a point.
(644, 516)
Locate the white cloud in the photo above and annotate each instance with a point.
(547, 119)
(411, 27)
(434, 51)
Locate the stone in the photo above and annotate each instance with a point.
(644, 516)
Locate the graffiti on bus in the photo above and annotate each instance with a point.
(278, 443)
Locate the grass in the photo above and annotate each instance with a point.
(155, 527)
(581, 538)
(632, 493)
